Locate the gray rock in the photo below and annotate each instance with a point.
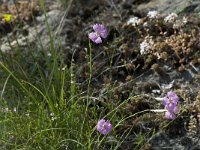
(168, 6)
(39, 30)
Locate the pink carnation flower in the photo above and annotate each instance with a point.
(104, 127)
(100, 31)
(170, 103)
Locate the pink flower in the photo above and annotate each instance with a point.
(104, 127)
(170, 103)
(100, 32)
(170, 115)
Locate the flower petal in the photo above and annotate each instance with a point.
(97, 27)
(171, 94)
(165, 101)
(175, 111)
(98, 40)
(170, 115)
(93, 36)
(104, 34)
(101, 30)
(175, 99)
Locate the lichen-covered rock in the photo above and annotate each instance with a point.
(168, 6)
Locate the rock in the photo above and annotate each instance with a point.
(40, 29)
(168, 6)
(19, 42)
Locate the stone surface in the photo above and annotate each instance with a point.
(35, 31)
(168, 6)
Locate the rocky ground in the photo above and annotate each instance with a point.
(118, 65)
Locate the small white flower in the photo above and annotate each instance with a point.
(51, 114)
(53, 117)
(185, 20)
(64, 68)
(134, 21)
(145, 24)
(153, 14)
(146, 45)
(15, 109)
(157, 55)
(49, 54)
(171, 17)
(180, 23)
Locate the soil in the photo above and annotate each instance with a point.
(120, 71)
